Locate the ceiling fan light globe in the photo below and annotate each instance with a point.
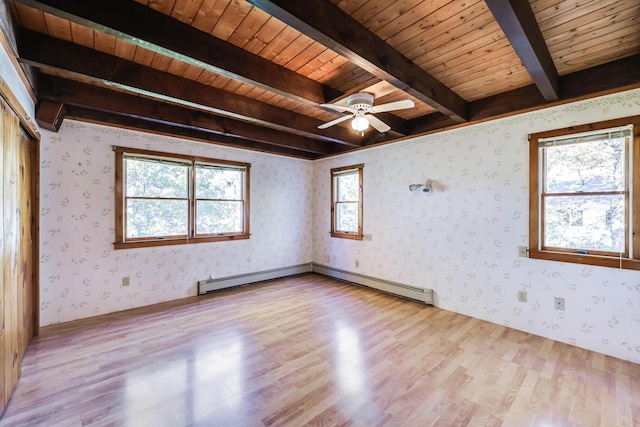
(360, 124)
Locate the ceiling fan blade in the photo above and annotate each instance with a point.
(335, 122)
(378, 124)
(337, 107)
(392, 106)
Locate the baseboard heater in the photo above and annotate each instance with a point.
(411, 292)
(208, 285)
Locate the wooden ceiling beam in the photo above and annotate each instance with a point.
(49, 53)
(583, 84)
(50, 115)
(140, 25)
(367, 86)
(429, 123)
(611, 77)
(106, 100)
(595, 81)
(519, 24)
(328, 25)
(140, 124)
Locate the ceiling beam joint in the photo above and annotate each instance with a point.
(518, 22)
(144, 27)
(328, 25)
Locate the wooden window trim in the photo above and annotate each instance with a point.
(122, 243)
(633, 201)
(345, 234)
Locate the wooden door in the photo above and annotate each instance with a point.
(18, 249)
(10, 249)
(26, 241)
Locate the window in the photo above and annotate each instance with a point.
(346, 202)
(165, 199)
(582, 203)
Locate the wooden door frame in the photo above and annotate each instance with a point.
(35, 230)
(34, 153)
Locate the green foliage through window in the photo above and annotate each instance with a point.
(585, 185)
(157, 198)
(584, 194)
(347, 201)
(173, 198)
(346, 190)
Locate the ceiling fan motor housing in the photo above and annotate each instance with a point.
(360, 101)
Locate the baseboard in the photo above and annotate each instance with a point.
(215, 284)
(411, 292)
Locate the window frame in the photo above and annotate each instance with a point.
(627, 260)
(122, 242)
(335, 172)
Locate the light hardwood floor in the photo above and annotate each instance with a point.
(308, 350)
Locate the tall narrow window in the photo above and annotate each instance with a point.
(164, 199)
(346, 202)
(581, 197)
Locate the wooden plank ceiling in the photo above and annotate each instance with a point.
(254, 73)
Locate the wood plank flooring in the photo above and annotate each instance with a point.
(308, 350)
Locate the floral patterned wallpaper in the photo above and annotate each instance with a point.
(80, 272)
(461, 239)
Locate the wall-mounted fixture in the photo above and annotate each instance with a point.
(426, 187)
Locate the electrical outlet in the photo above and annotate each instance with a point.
(367, 236)
(558, 303)
(522, 251)
(357, 263)
(522, 296)
(126, 281)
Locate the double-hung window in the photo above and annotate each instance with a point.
(164, 199)
(583, 207)
(346, 202)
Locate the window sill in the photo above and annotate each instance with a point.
(179, 241)
(351, 236)
(597, 260)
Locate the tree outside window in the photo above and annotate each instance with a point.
(157, 198)
(219, 199)
(582, 204)
(167, 199)
(585, 186)
(346, 202)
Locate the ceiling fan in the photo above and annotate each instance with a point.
(361, 109)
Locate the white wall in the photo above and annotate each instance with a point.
(80, 272)
(461, 240)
